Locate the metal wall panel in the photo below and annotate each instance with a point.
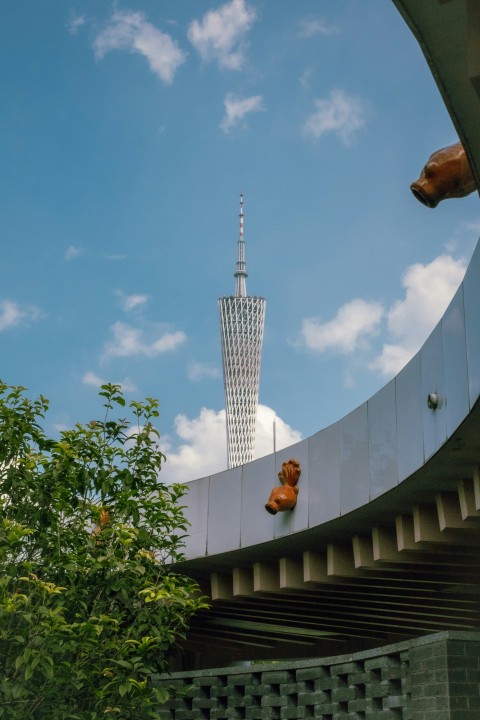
(324, 475)
(224, 506)
(354, 470)
(409, 400)
(297, 519)
(433, 381)
(382, 431)
(196, 512)
(257, 525)
(471, 295)
(455, 355)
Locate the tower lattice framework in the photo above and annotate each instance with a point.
(242, 320)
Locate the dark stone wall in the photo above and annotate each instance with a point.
(436, 677)
(445, 678)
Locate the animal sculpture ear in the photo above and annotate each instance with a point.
(290, 472)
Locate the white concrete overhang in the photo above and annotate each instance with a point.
(448, 32)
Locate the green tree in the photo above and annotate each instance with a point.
(88, 605)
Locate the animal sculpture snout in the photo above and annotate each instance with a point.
(281, 498)
(422, 196)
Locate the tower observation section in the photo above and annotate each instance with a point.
(242, 320)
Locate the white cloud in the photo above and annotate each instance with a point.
(340, 113)
(12, 314)
(131, 32)
(115, 256)
(354, 322)
(133, 301)
(284, 434)
(168, 341)
(392, 359)
(310, 26)
(129, 341)
(60, 427)
(236, 108)
(75, 23)
(428, 290)
(203, 444)
(473, 226)
(130, 302)
(90, 378)
(202, 449)
(305, 78)
(220, 34)
(72, 252)
(199, 371)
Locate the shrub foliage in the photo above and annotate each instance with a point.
(88, 605)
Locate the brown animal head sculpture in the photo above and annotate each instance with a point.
(285, 497)
(447, 174)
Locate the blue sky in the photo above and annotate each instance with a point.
(128, 131)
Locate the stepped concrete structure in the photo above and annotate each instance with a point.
(373, 579)
(242, 319)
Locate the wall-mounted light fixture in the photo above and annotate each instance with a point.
(433, 401)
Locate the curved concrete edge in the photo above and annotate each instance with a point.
(365, 454)
(441, 24)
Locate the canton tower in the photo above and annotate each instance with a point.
(242, 319)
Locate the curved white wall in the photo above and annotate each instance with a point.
(366, 453)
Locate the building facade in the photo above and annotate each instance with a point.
(363, 602)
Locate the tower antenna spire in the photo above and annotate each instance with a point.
(241, 273)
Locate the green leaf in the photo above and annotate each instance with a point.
(161, 695)
(124, 664)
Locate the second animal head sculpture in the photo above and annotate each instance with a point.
(285, 497)
(446, 174)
